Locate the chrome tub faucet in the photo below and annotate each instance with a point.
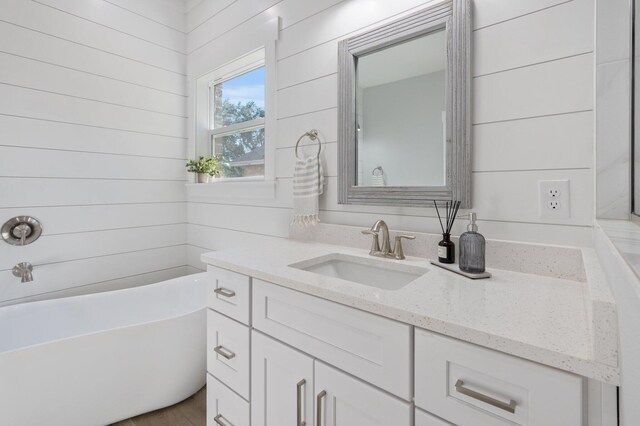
(23, 270)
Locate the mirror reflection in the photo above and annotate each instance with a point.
(400, 114)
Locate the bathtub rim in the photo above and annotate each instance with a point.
(122, 327)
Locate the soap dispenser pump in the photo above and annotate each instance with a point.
(472, 248)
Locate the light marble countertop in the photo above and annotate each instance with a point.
(543, 319)
(625, 236)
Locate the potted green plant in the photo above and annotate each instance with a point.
(204, 167)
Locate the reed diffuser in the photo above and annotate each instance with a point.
(446, 247)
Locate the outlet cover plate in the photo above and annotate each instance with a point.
(553, 199)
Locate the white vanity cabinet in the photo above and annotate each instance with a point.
(377, 350)
(296, 359)
(228, 357)
(282, 384)
(225, 407)
(289, 385)
(470, 385)
(342, 400)
(426, 419)
(229, 294)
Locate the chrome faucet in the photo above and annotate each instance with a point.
(381, 225)
(385, 251)
(23, 270)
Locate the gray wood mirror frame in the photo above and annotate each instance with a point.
(452, 21)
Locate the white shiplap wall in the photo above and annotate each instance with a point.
(92, 141)
(532, 103)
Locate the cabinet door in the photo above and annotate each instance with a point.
(281, 385)
(342, 400)
(425, 419)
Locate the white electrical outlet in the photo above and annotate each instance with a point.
(553, 192)
(554, 204)
(553, 199)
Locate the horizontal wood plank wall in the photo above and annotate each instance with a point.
(532, 114)
(93, 142)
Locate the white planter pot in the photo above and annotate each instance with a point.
(202, 178)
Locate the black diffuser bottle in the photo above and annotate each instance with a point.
(446, 247)
(446, 250)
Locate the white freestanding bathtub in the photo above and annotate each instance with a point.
(100, 358)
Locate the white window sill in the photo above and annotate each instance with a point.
(254, 189)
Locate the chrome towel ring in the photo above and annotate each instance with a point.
(313, 135)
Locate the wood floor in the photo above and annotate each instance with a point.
(190, 412)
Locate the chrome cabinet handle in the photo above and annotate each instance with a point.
(299, 414)
(224, 352)
(224, 292)
(319, 400)
(509, 407)
(219, 419)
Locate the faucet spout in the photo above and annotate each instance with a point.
(381, 225)
(24, 271)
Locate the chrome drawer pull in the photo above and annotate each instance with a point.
(224, 292)
(219, 419)
(299, 414)
(224, 352)
(510, 407)
(319, 400)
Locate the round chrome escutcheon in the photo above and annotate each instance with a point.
(21, 230)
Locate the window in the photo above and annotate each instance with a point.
(236, 116)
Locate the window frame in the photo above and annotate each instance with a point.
(261, 57)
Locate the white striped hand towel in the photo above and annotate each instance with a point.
(377, 180)
(308, 185)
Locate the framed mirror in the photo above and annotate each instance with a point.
(404, 117)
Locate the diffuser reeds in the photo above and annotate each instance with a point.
(451, 211)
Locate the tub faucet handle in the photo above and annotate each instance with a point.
(22, 231)
(23, 270)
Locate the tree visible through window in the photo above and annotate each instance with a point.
(237, 123)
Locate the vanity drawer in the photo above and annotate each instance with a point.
(228, 355)
(224, 406)
(470, 385)
(230, 294)
(375, 349)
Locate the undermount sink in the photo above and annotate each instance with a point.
(387, 275)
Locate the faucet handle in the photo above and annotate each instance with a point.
(375, 244)
(23, 270)
(398, 253)
(22, 231)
